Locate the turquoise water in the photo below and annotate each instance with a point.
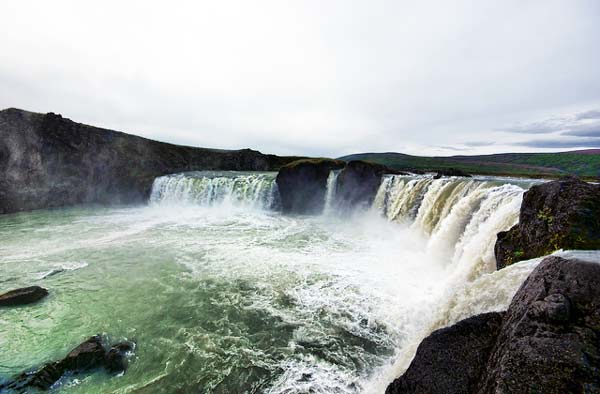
(219, 300)
(224, 295)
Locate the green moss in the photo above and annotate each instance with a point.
(316, 161)
(546, 216)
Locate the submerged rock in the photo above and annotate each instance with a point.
(23, 296)
(548, 341)
(358, 182)
(451, 359)
(50, 161)
(89, 355)
(302, 184)
(562, 214)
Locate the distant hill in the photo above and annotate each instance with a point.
(584, 163)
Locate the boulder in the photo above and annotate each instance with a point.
(550, 338)
(88, 355)
(358, 183)
(302, 184)
(556, 215)
(452, 359)
(548, 341)
(23, 296)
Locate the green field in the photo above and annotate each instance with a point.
(551, 165)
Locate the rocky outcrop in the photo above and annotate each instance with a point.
(548, 341)
(450, 172)
(562, 214)
(358, 182)
(89, 355)
(451, 359)
(550, 338)
(23, 296)
(302, 184)
(49, 161)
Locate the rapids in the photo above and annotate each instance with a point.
(224, 294)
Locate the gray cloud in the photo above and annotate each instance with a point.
(479, 143)
(594, 114)
(555, 143)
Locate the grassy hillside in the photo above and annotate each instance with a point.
(583, 163)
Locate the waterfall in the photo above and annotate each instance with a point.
(207, 188)
(331, 192)
(459, 217)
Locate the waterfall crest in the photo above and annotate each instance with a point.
(208, 188)
(330, 192)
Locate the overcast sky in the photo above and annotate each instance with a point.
(321, 77)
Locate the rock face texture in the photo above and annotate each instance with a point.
(548, 341)
(302, 184)
(23, 296)
(49, 161)
(451, 359)
(358, 182)
(550, 338)
(89, 355)
(563, 214)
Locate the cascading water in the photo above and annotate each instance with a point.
(225, 294)
(330, 192)
(208, 188)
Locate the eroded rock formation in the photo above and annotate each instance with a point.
(563, 214)
(49, 161)
(302, 184)
(92, 354)
(548, 341)
(358, 182)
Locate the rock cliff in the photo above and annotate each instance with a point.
(548, 341)
(563, 214)
(50, 161)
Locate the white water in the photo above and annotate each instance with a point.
(217, 274)
(213, 188)
(330, 192)
(448, 228)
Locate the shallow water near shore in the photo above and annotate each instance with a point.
(225, 296)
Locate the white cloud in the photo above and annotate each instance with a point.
(305, 77)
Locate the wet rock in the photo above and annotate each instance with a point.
(556, 215)
(451, 359)
(548, 341)
(115, 360)
(557, 350)
(450, 172)
(50, 161)
(358, 182)
(87, 356)
(23, 296)
(302, 184)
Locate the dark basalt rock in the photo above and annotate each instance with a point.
(548, 341)
(302, 184)
(550, 338)
(450, 172)
(49, 161)
(23, 296)
(562, 214)
(89, 355)
(451, 359)
(358, 182)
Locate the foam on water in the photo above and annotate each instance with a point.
(224, 294)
